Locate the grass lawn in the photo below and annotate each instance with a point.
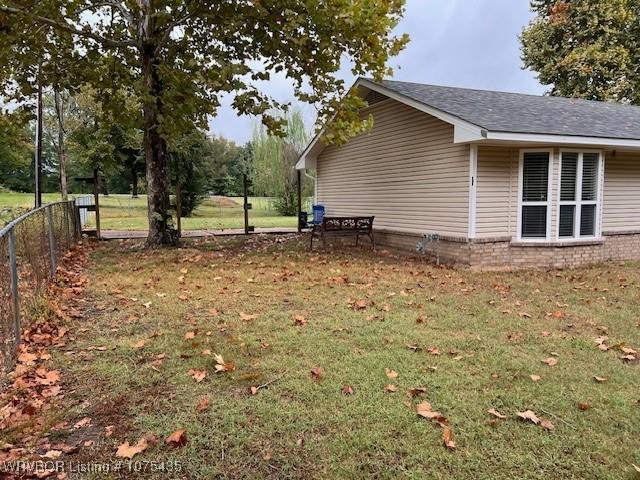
(121, 212)
(472, 340)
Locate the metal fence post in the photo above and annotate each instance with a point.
(52, 242)
(67, 225)
(14, 286)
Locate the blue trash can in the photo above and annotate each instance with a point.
(318, 214)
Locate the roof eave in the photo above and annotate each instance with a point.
(464, 131)
(515, 137)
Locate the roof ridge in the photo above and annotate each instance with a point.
(501, 92)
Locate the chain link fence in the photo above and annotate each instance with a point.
(30, 247)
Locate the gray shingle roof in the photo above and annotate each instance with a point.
(520, 113)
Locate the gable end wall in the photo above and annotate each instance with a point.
(406, 171)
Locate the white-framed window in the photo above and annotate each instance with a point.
(579, 194)
(534, 195)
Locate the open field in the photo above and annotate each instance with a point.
(361, 321)
(121, 212)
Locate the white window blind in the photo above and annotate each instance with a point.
(578, 194)
(535, 192)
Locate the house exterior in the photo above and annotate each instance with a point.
(500, 179)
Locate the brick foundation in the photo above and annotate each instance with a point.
(501, 253)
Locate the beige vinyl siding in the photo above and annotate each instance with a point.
(621, 199)
(406, 171)
(497, 191)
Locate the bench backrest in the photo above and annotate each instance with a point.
(360, 224)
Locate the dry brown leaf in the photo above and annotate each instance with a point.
(82, 423)
(317, 373)
(347, 390)
(222, 366)
(600, 379)
(198, 375)
(535, 378)
(360, 304)
(496, 413)
(390, 388)
(139, 344)
(53, 454)
(529, 415)
(417, 391)
(447, 438)
(424, 410)
(584, 406)
(300, 320)
(177, 438)
(551, 361)
(547, 424)
(392, 374)
(203, 404)
(129, 451)
(189, 335)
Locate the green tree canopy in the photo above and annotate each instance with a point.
(178, 57)
(586, 48)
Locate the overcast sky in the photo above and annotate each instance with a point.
(462, 43)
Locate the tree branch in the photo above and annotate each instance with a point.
(68, 28)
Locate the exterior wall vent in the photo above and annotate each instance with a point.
(374, 97)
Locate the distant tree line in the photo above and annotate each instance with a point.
(80, 137)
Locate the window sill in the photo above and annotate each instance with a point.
(558, 243)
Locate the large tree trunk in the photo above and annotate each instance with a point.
(161, 230)
(61, 153)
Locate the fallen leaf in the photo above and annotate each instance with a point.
(82, 423)
(417, 391)
(53, 454)
(584, 406)
(300, 320)
(198, 375)
(535, 378)
(360, 304)
(424, 410)
(600, 379)
(203, 404)
(317, 373)
(390, 388)
(551, 361)
(129, 451)
(447, 438)
(347, 390)
(189, 335)
(246, 317)
(628, 358)
(529, 415)
(496, 413)
(547, 424)
(222, 366)
(392, 374)
(139, 344)
(177, 438)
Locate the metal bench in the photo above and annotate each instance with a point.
(343, 226)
